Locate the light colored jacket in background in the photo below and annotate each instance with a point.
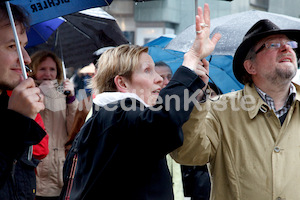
(251, 155)
(58, 118)
(175, 171)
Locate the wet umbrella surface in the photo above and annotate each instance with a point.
(232, 28)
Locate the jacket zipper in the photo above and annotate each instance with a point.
(14, 189)
(71, 177)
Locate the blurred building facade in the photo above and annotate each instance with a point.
(144, 21)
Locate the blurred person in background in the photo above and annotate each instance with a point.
(84, 110)
(164, 70)
(58, 118)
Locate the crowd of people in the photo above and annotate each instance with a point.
(151, 134)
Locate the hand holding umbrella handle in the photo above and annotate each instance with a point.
(68, 88)
(30, 96)
(67, 92)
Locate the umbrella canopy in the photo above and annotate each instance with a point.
(80, 35)
(220, 70)
(40, 11)
(40, 33)
(158, 52)
(44, 10)
(220, 67)
(232, 28)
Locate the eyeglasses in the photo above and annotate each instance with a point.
(277, 45)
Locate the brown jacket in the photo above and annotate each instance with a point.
(251, 155)
(58, 119)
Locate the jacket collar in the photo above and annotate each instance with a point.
(110, 97)
(259, 104)
(298, 91)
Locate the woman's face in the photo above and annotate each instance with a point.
(47, 70)
(145, 82)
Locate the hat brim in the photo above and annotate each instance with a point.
(242, 51)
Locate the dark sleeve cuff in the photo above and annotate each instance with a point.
(188, 78)
(70, 99)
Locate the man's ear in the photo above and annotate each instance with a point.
(249, 67)
(121, 83)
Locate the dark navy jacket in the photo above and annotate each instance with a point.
(121, 154)
(17, 176)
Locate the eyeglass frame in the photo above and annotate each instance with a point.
(276, 47)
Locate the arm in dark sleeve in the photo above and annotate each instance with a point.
(158, 128)
(18, 132)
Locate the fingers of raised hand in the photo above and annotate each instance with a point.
(201, 70)
(206, 14)
(216, 37)
(202, 21)
(205, 64)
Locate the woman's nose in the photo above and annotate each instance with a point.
(159, 79)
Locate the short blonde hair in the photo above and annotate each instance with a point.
(122, 60)
(38, 57)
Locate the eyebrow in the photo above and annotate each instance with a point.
(14, 41)
(6, 24)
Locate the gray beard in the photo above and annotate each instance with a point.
(280, 76)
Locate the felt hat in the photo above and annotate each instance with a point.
(258, 31)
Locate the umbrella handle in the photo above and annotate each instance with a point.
(66, 92)
(12, 22)
(63, 68)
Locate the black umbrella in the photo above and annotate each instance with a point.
(82, 34)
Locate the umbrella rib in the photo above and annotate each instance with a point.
(39, 33)
(170, 52)
(106, 2)
(78, 29)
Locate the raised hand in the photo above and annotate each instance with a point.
(203, 45)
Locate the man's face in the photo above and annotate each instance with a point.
(166, 74)
(275, 64)
(10, 68)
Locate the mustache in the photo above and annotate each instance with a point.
(289, 55)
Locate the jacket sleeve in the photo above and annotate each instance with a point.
(41, 149)
(158, 128)
(18, 133)
(201, 137)
(71, 111)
